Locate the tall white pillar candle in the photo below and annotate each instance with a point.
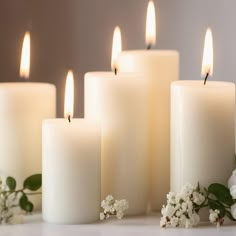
(120, 102)
(160, 68)
(71, 167)
(202, 132)
(23, 106)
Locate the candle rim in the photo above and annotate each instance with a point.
(84, 121)
(12, 85)
(111, 75)
(153, 52)
(198, 84)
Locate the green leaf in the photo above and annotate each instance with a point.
(11, 183)
(228, 213)
(222, 193)
(33, 182)
(23, 201)
(29, 207)
(216, 205)
(25, 204)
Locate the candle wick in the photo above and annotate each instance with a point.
(149, 46)
(69, 118)
(115, 71)
(206, 78)
(23, 78)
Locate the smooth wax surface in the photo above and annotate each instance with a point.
(23, 106)
(71, 171)
(159, 68)
(202, 132)
(120, 103)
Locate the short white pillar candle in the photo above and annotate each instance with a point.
(202, 128)
(202, 132)
(71, 170)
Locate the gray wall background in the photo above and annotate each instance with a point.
(77, 34)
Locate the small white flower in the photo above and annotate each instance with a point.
(124, 204)
(232, 179)
(187, 190)
(169, 211)
(102, 216)
(184, 206)
(188, 223)
(233, 210)
(121, 205)
(183, 220)
(213, 215)
(198, 198)
(171, 197)
(163, 210)
(178, 213)
(6, 215)
(195, 219)
(119, 215)
(178, 206)
(110, 198)
(233, 191)
(174, 221)
(163, 222)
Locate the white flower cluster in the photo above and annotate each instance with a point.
(232, 188)
(215, 217)
(9, 205)
(181, 209)
(113, 207)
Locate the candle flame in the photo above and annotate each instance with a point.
(116, 48)
(25, 57)
(207, 60)
(69, 96)
(150, 25)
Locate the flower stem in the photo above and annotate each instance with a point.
(34, 193)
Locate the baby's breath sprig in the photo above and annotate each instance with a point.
(113, 207)
(182, 208)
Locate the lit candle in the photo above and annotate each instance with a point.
(202, 128)
(71, 166)
(160, 68)
(119, 101)
(207, 60)
(23, 106)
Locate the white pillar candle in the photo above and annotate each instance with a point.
(202, 128)
(202, 132)
(71, 170)
(23, 106)
(120, 102)
(160, 68)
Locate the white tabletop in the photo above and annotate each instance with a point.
(129, 226)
